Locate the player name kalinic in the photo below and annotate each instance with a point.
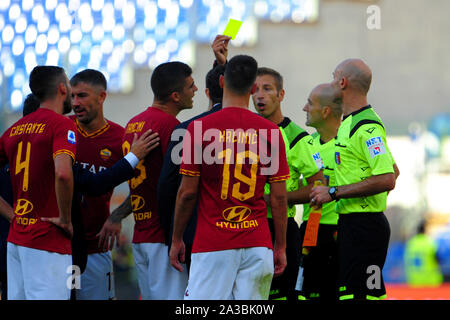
(218, 143)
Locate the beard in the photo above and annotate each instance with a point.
(67, 105)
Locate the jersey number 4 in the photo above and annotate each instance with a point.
(23, 165)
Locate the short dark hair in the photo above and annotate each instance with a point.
(271, 72)
(240, 74)
(91, 77)
(44, 81)
(30, 105)
(212, 83)
(169, 77)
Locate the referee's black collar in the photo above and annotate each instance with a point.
(283, 124)
(357, 111)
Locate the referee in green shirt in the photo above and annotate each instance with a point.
(320, 269)
(365, 172)
(300, 155)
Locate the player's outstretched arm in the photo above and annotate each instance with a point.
(278, 203)
(97, 184)
(64, 192)
(6, 210)
(186, 200)
(110, 232)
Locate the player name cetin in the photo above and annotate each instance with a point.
(27, 128)
(135, 127)
(235, 140)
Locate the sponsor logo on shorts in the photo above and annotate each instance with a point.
(237, 218)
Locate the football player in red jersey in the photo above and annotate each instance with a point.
(99, 147)
(40, 149)
(232, 255)
(174, 88)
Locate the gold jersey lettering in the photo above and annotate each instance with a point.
(142, 216)
(237, 225)
(27, 128)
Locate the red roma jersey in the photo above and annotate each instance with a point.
(235, 152)
(143, 186)
(96, 152)
(30, 146)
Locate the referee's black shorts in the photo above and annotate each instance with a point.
(320, 265)
(363, 240)
(283, 287)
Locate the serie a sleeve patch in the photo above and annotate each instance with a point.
(71, 137)
(375, 146)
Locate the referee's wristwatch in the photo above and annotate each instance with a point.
(332, 192)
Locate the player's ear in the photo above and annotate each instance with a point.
(102, 96)
(62, 88)
(253, 90)
(221, 81)
(207, 93)
(175, 96)
(326, 111)
(343, 83)
(281, 94)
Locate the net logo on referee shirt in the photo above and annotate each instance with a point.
(318, 160)
(236, 218)
(375, 146)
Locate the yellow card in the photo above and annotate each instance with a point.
(232, 28)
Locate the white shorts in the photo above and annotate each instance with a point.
(37, 274)
(157, 279)
(237, 274)
(97, 280)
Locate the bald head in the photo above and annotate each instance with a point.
(357, 73)
(325, 94)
